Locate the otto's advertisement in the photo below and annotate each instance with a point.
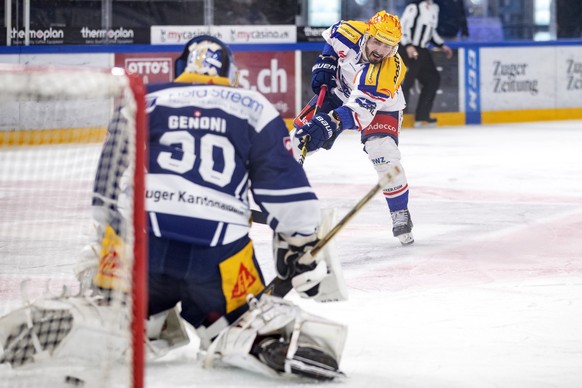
(272, 73)
(153, 67)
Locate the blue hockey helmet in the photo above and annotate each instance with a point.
(209, 56)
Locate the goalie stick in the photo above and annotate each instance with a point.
(258, 216)
(281, 287)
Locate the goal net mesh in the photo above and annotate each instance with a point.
(53, 124)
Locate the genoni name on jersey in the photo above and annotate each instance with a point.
(216, 124)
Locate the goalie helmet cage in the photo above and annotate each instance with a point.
(53, 122)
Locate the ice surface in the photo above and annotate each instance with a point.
(490, 294)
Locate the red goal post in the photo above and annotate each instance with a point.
(53, 121)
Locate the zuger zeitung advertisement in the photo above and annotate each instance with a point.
(228, 34)
(530, 78)
(569, 77)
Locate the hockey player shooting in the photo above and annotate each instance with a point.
(363, 71)
(209, 144)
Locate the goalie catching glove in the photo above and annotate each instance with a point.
(292, 262)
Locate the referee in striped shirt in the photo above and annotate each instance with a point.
(419, 27)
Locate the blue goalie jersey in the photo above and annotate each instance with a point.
(210, 145)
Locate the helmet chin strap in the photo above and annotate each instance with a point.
(393, 52)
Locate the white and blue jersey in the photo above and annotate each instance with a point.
(364, 88)
(210, 145)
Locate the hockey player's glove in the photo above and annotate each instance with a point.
(292, 262)
(321, 131)
(323, 73)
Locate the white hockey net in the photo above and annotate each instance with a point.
(53, 123)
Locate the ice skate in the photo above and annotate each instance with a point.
(426, 123)
(402, 226)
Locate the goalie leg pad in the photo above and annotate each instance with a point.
(165, 331)
(276, 338)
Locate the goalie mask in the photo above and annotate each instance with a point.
(207, 55)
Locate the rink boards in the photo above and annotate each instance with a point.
(483, 83)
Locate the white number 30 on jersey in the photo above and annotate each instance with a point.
(207, 144)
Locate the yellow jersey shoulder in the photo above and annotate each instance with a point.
(352, 30)
(390, 74)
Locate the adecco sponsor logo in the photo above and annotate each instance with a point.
(151, 69)
(381, 127)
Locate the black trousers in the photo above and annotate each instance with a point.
(424, 70)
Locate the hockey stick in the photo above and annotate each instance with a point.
(318, 104)
(281, 287)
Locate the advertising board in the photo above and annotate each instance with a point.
(271, 72)
(228, 34)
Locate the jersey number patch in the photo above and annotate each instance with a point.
(208, 143)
